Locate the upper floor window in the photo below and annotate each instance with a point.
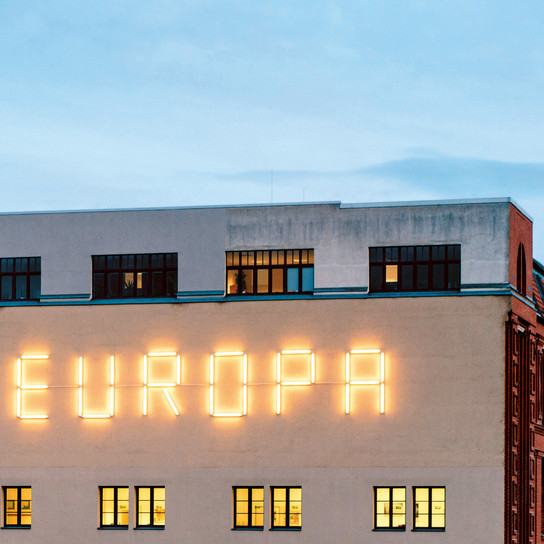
(20, 278)
(17, 507)
(248, 507)
(429, 508)
(269, 272)
(521, 283)
(286, 508)
(151, 503)
(390, 508)
(114, 507)
(415, 268)
(141, 275)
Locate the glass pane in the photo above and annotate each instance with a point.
(281, 257)
(20, 288)
(454, 278)
(422, 253)
(266, 259)
(142, 287)
(289, 257)
(122, 493)
(35, 286)
(439, 276)
(382, 494)
(235, 258)
(12, 494)
(391, 254)
(307, 280)
(242, 520)
(157, 284)
(262, 280)
(128, 284)
(144, 518)
(280, 494)
(439, 494)
(422, 520)
(422, 277)
(7, 287)
(407, 277)
(242, 507)
(229, 258)
(399, 494)
(399, 520)
(438, 253)
(273, 257)
(277, 280)
(422, 494)
(257, 520)
(144, 493)
(292, 280)
(258, 494)
(296, 256)
(310, 256)
(406, 254)
(376, 278)
(259, 258)
(159, 493)
(295, 494)
(250, 258)
(439, 521)
(232, 282)
(171, 283)
(113, 285)
(247, 281)
(391, 275)
(26, 494)
(382, 520)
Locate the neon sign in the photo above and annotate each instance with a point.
(303, 362)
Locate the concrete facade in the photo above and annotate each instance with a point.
(444, 388)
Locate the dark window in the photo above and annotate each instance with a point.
(150, 504)
(17, 506)
(415, 268)
(521, 283)
(134, 276)
(114, 507)
(286, 508)
(270, 272)
(20, 278)
(389, 508)
(429, 508)
(248, 508)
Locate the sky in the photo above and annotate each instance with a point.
(125, 103)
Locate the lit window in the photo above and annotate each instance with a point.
(248, 508)
(151, 504)
(144, 275)
(20, 278)
(389, 508)
(286, 508)
(429, 508)
(114, 507)
(17, 507)
(415, 268)
(270, 272)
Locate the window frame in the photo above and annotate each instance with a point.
(383, 259)
(32, 268)
(151, 524)
(269, 255)
(19, 507)
(390, 514)
(250, 501)
(429, 527)
(116, 524)
(127, 263)
(287, 526)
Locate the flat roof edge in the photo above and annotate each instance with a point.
(355, 205)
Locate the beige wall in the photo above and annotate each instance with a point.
(443, 423)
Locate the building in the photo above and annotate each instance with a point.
(282, 373)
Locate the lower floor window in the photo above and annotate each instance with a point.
(113, 507)
(151, 502)
(390, 508)
(248, 507)
(17, 506)
(286, 507)
(429, 508)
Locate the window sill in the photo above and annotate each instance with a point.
(113, 528)
(16, 527)
(285, 529)
(429, 530)
(389, 529)
(157, 528)
(247, 529)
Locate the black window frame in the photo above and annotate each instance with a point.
(413, 264)
(116, 524)
(429, 527)
(250, 503)
(390, 527)
(270, 260)
(287, 526)
(19, 507)
(109, 266)
(20, 268)
(151, 524)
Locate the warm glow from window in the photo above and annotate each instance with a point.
(308, 373)
(161, 357)
(214, 361)
(379, 381)
(111, 392)
(26, 387)
(391, 273)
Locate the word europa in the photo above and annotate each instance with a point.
(282, 360)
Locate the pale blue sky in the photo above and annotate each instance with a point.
(171, 102)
